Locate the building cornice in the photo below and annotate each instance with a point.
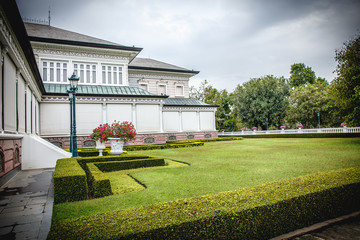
(91, 99)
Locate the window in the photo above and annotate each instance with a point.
(179, 90)
(111, 75)
(54, 71)
(86, 72)
(16, 156)
(162, 89)
(2, 161)
(143, 86)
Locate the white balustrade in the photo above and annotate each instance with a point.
(292, 131)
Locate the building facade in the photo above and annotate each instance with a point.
(115, 85)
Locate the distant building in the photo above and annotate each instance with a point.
(36, 62)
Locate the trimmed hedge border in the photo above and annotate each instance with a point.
(123, 165)
(260, 212)
(99, 183)
(301, 135)
(69, 181)
(72, 176)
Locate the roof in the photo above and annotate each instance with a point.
(151, 64)
(12, 13)
(46, 33)
(186, 102)
(95, 90)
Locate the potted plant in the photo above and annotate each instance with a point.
(254, 129)
(300, 126)
(283, 128)
(121, 133)
(344, 124)
(101, 134)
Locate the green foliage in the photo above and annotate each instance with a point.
(224, 117)
(261, 99)
(345, 89)
(306, 101)
(99, 183)
(122, 165)
(301, 75)
(260, 212)
(69, 181)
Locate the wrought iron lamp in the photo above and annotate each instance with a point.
(72, 94)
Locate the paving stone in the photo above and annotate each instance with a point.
(28, 227)
(37, 200)
(13, 209)
(5, 230)
(33, 235)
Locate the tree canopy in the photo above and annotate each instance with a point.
(261, 100)
(345, 89)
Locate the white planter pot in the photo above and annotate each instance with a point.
(117, 145)
(100, 146)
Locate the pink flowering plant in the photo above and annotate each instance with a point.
(283, 127)
(242, 129)
(300, 125)
(343, 124)
(102, 133)
(125, 130)
(254, 128)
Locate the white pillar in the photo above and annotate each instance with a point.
(134, 114)
(161, 118)
(104, 112)
(198, 120)
(180, 121)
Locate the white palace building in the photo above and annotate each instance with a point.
(115, 84)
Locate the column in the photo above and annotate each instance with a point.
(134, 114)
(180, 121)
(198, 120)
(161, 118)
(104, 112)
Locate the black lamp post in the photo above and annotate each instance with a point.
(318, 114)
(72, 93)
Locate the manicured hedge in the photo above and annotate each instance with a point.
(260, 212)
(162, 146)
(99, 183)
(69, 181)
(204, 140)
(303, 135)
(110, 158)
(123, 165)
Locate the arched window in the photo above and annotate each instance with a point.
(16, 156)
(2, 161)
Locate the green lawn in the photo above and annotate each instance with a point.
(223, 166)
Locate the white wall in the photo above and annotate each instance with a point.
(147, 118)
(207, 121)
(88, 117)
(189, 121)
(171, 121)
(10, 95)
(21, 104)
(118, 112)
(55, 118)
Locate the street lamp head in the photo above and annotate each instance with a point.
(73, 81)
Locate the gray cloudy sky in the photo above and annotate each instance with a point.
(228, 41)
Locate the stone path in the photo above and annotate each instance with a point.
(349, 229)
(26, 205)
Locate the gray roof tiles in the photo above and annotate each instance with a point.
(46, 31)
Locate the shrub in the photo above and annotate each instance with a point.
(122, 165)
(99, 183)
(260, 212)
(69, 181)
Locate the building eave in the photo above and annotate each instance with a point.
(163, 70)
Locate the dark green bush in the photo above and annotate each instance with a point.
(69, 181)
(122, 165)
(123, 157)
(204, 140)
(99, 183)
(260, 212)
(162, 146)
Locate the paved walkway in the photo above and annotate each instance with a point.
(26, 203)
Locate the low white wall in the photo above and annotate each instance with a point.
(39, 153)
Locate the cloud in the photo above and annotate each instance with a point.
(229, 41)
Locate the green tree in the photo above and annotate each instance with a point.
(260, 99)
(345, 89)
(301, 75)
(224, 119)
(305, 102)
